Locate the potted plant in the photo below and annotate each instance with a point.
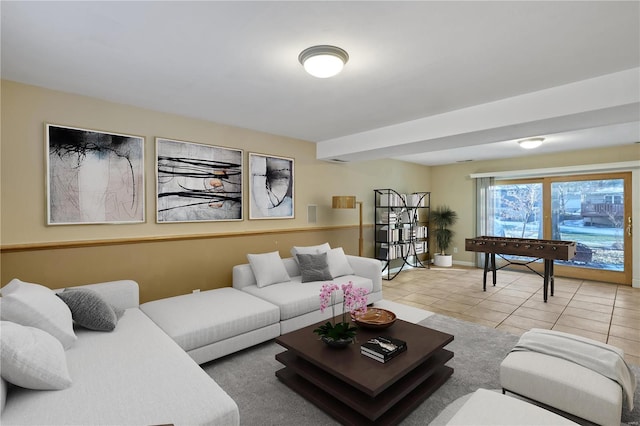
(442, 218)
(342, 333)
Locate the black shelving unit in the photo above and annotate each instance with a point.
(401, 229)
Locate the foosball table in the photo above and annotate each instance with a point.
(547, 250)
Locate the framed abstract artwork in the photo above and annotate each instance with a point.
(197, 182)
(93, 177)
(271, 187)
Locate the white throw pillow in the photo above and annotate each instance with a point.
(32, 358)
(338, 263)
(268, 268)
(321, 248)
(37, 306)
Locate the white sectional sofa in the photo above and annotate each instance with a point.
(142, 372)
(133, 375)
(214, 323)
(299, 302)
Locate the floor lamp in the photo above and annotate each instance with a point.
(349, 202)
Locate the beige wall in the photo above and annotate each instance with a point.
(25, 109)
(170, 259)
(163, 257)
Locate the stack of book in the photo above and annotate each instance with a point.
(383, 348)
(388, 217)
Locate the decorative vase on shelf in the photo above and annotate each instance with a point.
(341, 334)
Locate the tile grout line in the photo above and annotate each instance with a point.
(611, 317)
(568, 303)
(519, 306)
(580, 285)
(530, 297)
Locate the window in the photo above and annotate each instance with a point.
(591, 210)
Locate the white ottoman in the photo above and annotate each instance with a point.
(563, 385)
(214, 323)
(486, 407)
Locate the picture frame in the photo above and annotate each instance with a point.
(271, 187)
(198, 182)
(93, 177)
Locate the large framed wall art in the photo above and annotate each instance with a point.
(271, 187)
(197, 182)
(93, 177)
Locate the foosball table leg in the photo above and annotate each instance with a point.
(493, 268)
(486, 269)
(489, 265)
(552, 277)
(548, 278)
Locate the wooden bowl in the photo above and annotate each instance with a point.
(375, 318)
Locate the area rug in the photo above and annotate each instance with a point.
(249, 378)
(404, 312)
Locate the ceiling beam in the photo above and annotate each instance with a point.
(601, 101)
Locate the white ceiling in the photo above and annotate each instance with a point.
(427, 82)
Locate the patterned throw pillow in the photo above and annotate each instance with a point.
(89, 310)
(314, 267)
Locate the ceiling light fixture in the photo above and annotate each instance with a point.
(531, 143)
(323, 61)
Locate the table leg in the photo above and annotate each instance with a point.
(551, 275)
(493, 267)
(486, 269)
(546, 279)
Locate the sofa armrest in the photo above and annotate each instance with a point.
(123, 294)
(242, 276)
(368, 268)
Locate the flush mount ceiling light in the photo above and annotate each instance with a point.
(323, 61)
(531, 143)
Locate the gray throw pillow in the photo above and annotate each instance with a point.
(314, 267)
(89, 310)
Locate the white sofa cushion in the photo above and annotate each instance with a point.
(199, 319)
(320, 248)
(32, 358)
(490, 408)
(121, 294)
(135, 375)
(268, 268)
(37, 306)
(296, 298)
(564, 385)
(338, 263)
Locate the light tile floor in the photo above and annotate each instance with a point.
(605, 312)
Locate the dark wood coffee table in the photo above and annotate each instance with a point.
(357, 390)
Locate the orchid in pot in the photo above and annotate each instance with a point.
(355, 301)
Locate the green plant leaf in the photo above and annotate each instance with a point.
(342, 330)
